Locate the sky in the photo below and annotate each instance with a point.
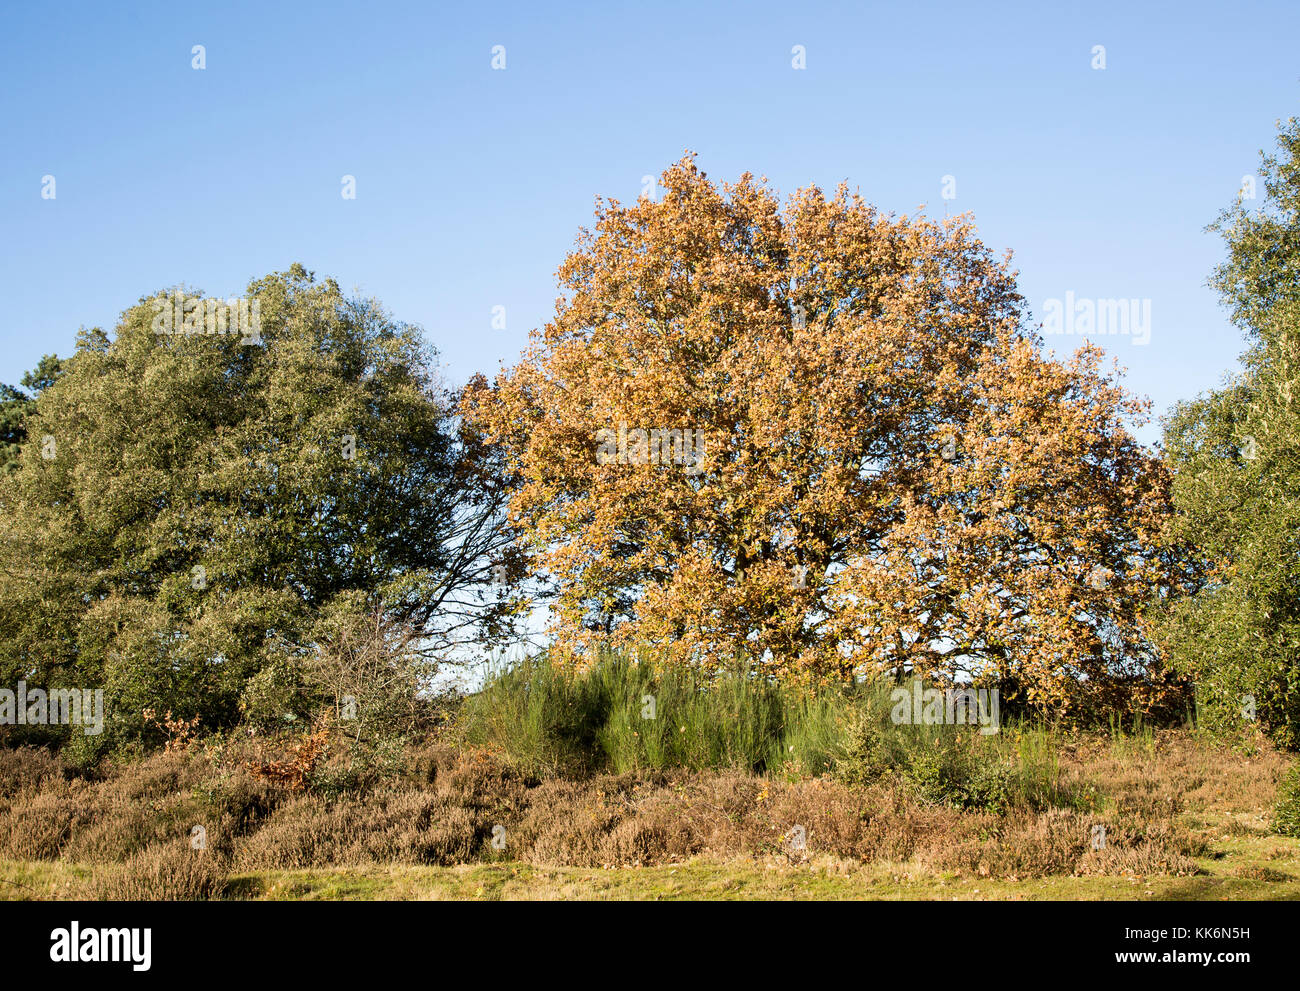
(471, 181)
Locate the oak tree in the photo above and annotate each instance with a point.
(825, 436)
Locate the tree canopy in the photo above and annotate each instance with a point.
(825, 435)
(17, 403)
(192, 509)
(1236, 452)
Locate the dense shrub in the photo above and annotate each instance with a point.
(621, 715)
(1286, 814)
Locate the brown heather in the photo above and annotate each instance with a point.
(130, 826)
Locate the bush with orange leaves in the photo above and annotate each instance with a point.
(894, 477)
(294, 770)
(180, 732)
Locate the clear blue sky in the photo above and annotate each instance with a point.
(471, 183)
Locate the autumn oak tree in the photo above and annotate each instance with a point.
(883, 472)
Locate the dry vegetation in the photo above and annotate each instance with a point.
(1170, 801)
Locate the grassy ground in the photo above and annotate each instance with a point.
(1244, 862)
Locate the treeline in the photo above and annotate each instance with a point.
(886, 477)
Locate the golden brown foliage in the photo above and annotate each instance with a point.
(892, 475)
(293, 770)
(180, 732)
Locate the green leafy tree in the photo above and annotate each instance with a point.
(205, 509)
(1236, 453)
(16, 404)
